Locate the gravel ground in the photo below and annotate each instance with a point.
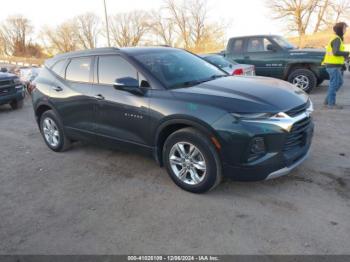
(91, 200)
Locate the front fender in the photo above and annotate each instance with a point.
(314, 66)
(173, 123)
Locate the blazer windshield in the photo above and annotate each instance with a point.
(177, 68)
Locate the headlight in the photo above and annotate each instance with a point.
(310, 109)
(17, 81)
(251, 116)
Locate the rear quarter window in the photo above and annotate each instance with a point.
(78, 70)
(59, 68)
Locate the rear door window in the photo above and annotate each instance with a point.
(79, 69)
(237, 46)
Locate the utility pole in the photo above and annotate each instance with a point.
(107, 25)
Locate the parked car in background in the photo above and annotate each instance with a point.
(231, 67)
(274, 56)
(23, 72)
(28, 76)
(11, 90)
(193, 118)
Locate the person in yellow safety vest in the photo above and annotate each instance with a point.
(334, 61)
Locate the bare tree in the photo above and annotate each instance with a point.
(128, 29)
(87, 29)
(341, 9)
(194, 29)
(298, 13)
(303, 15)
(180, 16)
(63, 38)
(199, 16)
(15, 33)
(3, 45)
(163, 27)
(323, 7)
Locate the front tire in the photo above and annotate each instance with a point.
(52, 131)
(304, 79)
(192, 161)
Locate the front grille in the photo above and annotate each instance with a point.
(4, 91)
(298, 135)
(6, 87)
(6, 83)
(298, 110)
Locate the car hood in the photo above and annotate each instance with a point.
(308, 52)
(4, 76)
(245, 94)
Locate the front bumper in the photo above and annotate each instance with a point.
(279, 158)
(286, 170)
(18, 95)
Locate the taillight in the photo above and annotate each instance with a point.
(31, 87)
(238, 72)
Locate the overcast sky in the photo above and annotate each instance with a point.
(246, 16)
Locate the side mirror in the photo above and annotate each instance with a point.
(271, 47)
(128, 84)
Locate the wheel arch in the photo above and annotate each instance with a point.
(40, 109)
(300, 65)
(172, 125)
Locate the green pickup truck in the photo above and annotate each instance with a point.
(273, 56)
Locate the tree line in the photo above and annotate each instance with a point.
(184, 24)
(309, 16)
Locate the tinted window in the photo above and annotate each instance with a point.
(237, 46)
(218, 61)
(283, 42)
(177, 68)
(79, 69)
(258, 44)
(59, 67)
(111, 68)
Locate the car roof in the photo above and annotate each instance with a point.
(106, 50)
(252, 36)
(141, 50)
(209, 55)
(6, 75)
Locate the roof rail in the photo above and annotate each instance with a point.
(164, 46)
(88, 51)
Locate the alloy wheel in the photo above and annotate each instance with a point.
(187, 163)
(301, 81)
(51, 132)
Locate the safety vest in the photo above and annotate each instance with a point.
(332, 59)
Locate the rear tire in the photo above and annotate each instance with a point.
(17, 104)
(192, 161)
(52, 131)
(303, 78)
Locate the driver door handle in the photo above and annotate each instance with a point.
(99, 97)
(58, 89)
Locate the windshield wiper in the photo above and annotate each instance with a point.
(217, 76)
(197, 82)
